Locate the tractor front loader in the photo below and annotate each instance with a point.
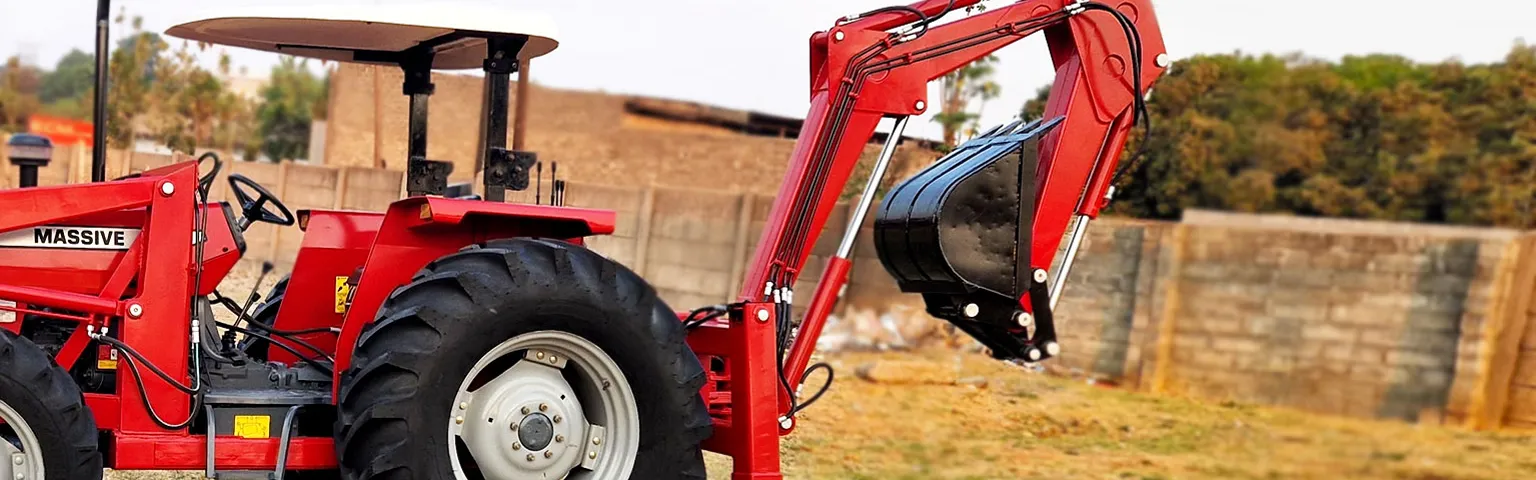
(460, 338)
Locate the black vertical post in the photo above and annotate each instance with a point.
(418, 126)
(28, 176)
(422, 176)
(554, 182)
(99, 111)
(499, 66)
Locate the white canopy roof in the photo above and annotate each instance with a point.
(357, 34)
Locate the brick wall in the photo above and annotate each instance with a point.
(585, 132)
(1353, 318)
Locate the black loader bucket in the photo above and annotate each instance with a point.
(958, 232)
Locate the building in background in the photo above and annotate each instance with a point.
(594, 137)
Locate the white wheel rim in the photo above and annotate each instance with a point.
(573, 411)
(20, 451)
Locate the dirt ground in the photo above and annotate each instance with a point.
(939, 414)
(1030, 426)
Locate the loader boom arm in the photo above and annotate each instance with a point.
(876, 66)
(861, 75)
(861, 72)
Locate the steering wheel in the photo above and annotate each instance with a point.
(255, 210)
(206, 183)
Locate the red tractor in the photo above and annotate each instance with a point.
(476, 339)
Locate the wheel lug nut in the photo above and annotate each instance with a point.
(557, 419)
(549, 453)
(530, 457)
(517, 446)
(559, 438)
(514, 427)
(527, 410)
(543, 407)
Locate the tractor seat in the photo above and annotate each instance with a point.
(375, 34)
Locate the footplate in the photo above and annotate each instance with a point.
(959, 232)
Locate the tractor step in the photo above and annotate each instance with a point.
(282, 450)
(959, 232)
(242, 475)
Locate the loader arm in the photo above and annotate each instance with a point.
(862, 73)
(878, 65)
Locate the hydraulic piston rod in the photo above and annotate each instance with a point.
(1079, 227)
(867, 198)
(836, 273)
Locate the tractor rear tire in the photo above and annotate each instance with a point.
(397, 398)
(45, 397)
(266, 314)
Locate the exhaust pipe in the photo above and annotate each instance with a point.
(99, 112)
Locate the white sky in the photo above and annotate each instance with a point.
(753, 53)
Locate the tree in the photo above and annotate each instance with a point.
(972, 82)
(19, 84)
(70, 78)
(289, 102)
(1374, 136)
(131, 74)
(188, 101)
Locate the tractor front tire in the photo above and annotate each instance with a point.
(398, 399)
(51, 414)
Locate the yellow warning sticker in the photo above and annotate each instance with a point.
(253, 426)
(343, 291)
(107, 359)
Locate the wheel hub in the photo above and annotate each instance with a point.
(536, 431)
(21, 455)
(545, 416)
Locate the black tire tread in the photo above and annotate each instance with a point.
(65, 418)
(379, 389)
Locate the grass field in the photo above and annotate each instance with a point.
(914, 420)
(1030, 426)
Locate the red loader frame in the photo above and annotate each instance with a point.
(860, 74)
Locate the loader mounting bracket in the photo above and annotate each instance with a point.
(508, 168)
(426, 177)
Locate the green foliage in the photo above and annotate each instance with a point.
(290, 101)
(193, 104)
(130, 75)
(154, 91)
(70, 79)
(1375, 136)
(972, 82)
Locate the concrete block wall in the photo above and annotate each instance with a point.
(1348, 324)
(1366, 319)
(1105, 311)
